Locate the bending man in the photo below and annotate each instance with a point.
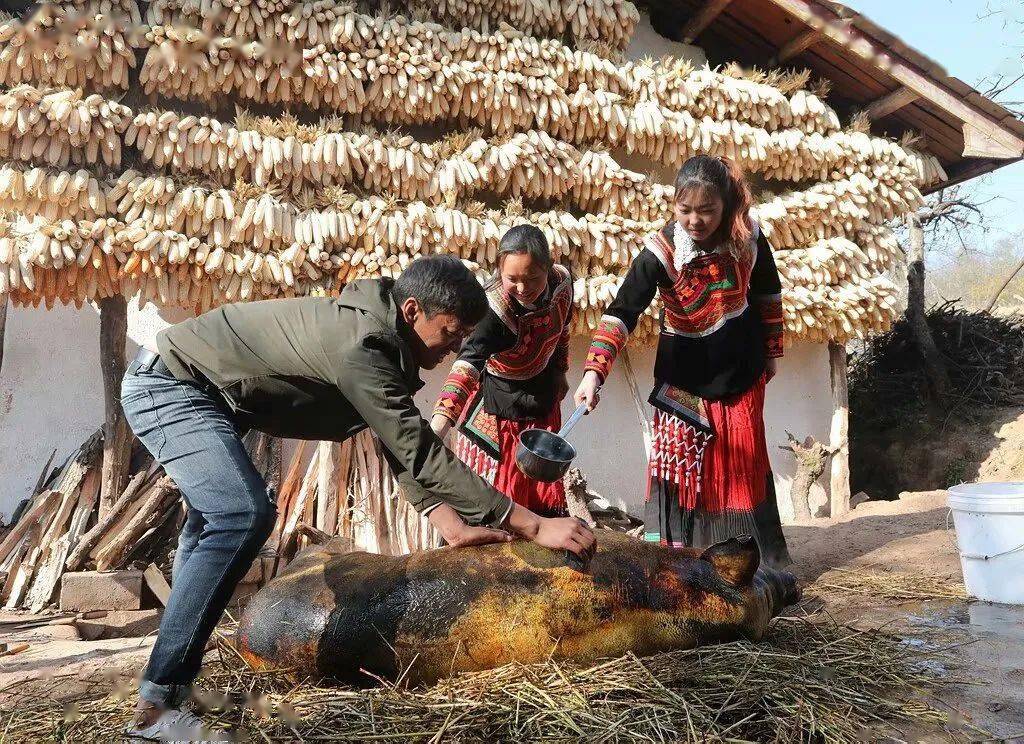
(310, 368)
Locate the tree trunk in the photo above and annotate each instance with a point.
(117, 437)
(811, 459)
(988, 308)
(934, 366)
(839, 440)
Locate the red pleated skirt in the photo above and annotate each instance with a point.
(702, 489)
(490, 451)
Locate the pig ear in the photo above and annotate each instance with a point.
(735, 560)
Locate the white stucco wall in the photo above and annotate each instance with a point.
(51, 389)
(51, 395)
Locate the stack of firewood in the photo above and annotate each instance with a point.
(327, 490)
(62, 527)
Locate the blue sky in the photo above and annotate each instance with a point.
(952, 33)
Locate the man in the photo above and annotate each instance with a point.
(310, 368)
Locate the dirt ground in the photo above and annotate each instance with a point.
(911, 537)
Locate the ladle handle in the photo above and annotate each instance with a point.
(573, 420)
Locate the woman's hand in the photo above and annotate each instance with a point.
(441, 425)
(771, 368)
(587, 392)
(459, 534)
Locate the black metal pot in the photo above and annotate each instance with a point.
(544, 455)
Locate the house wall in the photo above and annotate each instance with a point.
(51, 396)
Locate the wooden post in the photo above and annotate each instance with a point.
(4, 301)
(117, 437)
(839, 440)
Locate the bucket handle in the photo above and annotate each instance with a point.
(994, 555)
(979, 556)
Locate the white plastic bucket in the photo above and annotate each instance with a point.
(989, 521)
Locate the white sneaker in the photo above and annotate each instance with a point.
(176, 726)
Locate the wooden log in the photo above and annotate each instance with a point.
(327, 484)
(342, 463)
(890, 102)
(798, 45)
(150, 512)
(92, 537)
(157, 584)
(28, 566)
(12, 570)
(40, 508)
(117, 437)
(839, 441)
(48, 575)
(703, 18)
(315, 536)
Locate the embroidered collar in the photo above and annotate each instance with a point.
(684, 249)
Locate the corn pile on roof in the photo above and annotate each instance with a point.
(214, 151)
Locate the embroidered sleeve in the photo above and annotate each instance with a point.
(766, 295)
(458, 388)
(620, 319)
(489, 337)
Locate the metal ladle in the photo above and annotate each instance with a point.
(544, 455)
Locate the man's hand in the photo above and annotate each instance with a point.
(567, 533)
(771, 368)
(459, 534)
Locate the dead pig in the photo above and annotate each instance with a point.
(333, 613)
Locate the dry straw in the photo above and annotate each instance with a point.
(808, 682)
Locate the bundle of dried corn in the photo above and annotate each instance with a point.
(60, 127)
(51, 193)
(420, 91)
(310, 23)
(69, 45)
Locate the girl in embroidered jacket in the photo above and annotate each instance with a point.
(511, 372)
(721, 336)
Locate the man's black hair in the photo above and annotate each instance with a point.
(443, 284)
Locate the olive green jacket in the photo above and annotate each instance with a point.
(324, 368)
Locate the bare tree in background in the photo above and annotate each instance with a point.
(948, 218)
(1007, 86)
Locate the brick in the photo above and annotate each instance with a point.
(101, 590)
(120, 624)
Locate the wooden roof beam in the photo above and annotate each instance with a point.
(702, 18)
(799, 45)
(983, 136)
(890, 102)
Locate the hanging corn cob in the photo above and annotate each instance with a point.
(68, 46)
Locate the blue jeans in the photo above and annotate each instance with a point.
(230, 515)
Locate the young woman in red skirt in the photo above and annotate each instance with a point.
(721, 336)
(511, 373)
